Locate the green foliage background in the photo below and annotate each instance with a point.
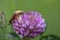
(50, 10)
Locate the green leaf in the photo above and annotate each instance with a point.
(49, 37)
(13, 35)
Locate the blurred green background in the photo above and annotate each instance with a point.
(50, 10)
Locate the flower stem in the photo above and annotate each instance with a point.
(26, 39)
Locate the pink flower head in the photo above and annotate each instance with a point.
(28, 24)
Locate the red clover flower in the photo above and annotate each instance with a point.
(28, 24)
